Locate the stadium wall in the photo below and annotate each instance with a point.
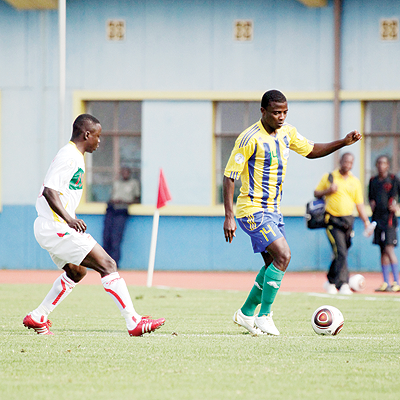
(184, 243)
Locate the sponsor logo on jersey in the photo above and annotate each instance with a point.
(387, 186)
(76, 183)
(62, 234)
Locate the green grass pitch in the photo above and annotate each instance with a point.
(199, 353)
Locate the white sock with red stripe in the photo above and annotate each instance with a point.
(62, 287)
(115, 286)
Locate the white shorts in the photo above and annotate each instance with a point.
(64, 244)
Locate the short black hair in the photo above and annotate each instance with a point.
(346, 154)
(270, 96)
(80, 122)
(383, 156)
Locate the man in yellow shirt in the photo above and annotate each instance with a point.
(340, 196)
(259, 158)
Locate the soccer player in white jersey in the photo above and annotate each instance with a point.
(63, 235)
(260, 157)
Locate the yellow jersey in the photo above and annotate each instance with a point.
(349, 192)
(260, 159)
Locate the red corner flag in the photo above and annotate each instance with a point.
(163, 192)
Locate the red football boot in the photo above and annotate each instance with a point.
(146, 325)
(41, 328)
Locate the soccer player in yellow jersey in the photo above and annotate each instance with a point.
(260, 158)
(341, 195)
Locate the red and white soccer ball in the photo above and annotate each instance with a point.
(327, 320)
(357, 283)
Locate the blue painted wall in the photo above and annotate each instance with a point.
(184, 243)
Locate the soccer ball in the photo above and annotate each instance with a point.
(357, 283)
(327, 320)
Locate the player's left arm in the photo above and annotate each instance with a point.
(397, 192)
(359, 202)
(324, 149)
(393, 204)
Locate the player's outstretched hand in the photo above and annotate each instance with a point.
(352, 137)
(77, 224)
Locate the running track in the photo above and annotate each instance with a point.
(292, 282)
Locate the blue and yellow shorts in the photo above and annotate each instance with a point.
(263, 229)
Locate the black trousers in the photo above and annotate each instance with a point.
(339, 231)
(114, 227)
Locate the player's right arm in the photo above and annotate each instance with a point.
(244, 148)
(53, 199)
(229, 223)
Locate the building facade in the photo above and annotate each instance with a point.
(173, 83)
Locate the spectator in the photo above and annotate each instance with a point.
(125, 191)
(341, 195)
(383, 193)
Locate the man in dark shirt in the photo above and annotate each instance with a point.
(384, 190)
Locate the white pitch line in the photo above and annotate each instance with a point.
(237, 336)
(356, 297)
(161, 287)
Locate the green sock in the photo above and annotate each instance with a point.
(254, 297)
(272, 282)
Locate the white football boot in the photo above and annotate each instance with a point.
(246, 322)
(266, 324)
(345, 289)
(330, 288)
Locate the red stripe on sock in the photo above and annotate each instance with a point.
(116, 296)
(60, 294)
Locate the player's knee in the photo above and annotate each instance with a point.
(110, 266)
(287, 255)
(80, 275)
(283, 259)
(75, 272)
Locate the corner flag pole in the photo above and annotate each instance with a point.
(163, 197)
(153, 245)
(62, 16)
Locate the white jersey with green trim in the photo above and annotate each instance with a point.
(65, 175)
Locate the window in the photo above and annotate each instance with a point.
(120, 146)
(232, 118)
(382, 135)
